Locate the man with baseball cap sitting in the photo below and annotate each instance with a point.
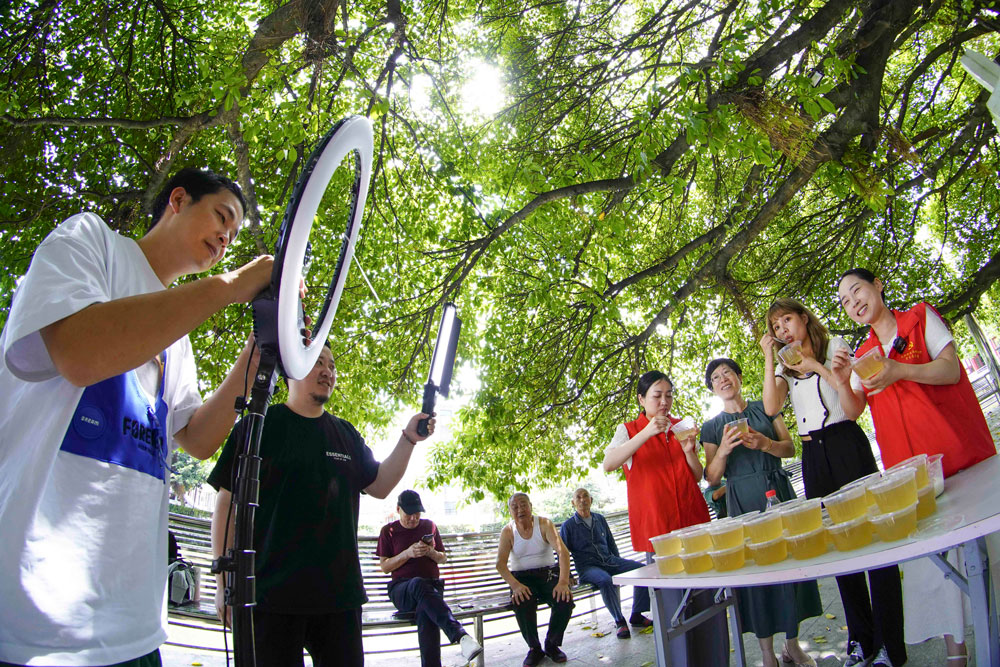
(411, 549)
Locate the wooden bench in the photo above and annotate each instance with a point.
(473, 588)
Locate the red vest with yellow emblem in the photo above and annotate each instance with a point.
(914, 418)
(662, 492)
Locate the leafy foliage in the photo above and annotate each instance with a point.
(659, 174)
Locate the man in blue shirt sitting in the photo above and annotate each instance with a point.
(588, 537)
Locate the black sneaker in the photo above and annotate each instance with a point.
(640, 621)
(534, 657)
(623, 631)
(554, 652)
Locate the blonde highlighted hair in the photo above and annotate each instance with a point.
(819, 337)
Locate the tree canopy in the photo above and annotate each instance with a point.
(659, 172)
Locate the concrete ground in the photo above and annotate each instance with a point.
(824, 638)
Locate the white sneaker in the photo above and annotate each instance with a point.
(855, 656)
(470, 648)
(882, 659)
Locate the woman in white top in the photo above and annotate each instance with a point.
(835, 451)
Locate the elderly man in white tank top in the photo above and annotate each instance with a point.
(529, 542)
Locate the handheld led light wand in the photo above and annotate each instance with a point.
(442, 362)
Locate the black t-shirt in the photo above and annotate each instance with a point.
(312, 473)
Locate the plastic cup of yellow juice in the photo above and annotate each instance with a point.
(730, 558)
(807, 545)
(935, 470)
(918, 463)
(791, 354)
(726, 533)
(852, 534)
(897, 525)
(666, 545)
(802, 516)
(671, 564)
(847, 504)
(863, 482)
(685, 428)
(926, 504)
(695, 538)
(897, 489)
(763, 526)
(696, 561)
(771, 551)
(869, 363)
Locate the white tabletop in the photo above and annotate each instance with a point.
(968, 508)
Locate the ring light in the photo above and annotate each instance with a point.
(353, 134)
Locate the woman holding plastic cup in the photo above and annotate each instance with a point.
(745, 444)
(662, 475)
(922, 403)
(835, 452)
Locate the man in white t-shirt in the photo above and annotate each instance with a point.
(97, 388)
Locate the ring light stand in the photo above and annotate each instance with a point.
(278, 321)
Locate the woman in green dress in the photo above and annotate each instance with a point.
(751, 465)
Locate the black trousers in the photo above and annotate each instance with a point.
(423, 596)
(333, 639)
(836, 455)
(541, 581)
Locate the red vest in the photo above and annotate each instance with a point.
(662, 492)
(913, 418)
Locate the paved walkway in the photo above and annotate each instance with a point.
(823, 637)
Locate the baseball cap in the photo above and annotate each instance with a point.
(409, 502)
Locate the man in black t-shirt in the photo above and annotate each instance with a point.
(314, 467)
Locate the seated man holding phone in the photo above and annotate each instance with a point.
(411, 549)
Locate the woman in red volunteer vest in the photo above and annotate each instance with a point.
(662, 475)
(922, 403)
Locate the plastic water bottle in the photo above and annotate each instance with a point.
(772, 499)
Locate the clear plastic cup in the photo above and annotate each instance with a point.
(669, 564)
(685, 428)
(730, 558)
(802, 516)
(869, 363)
(897, 489)
(668, 544)
(892, 526)
(852, 534)
(742, 425)
(726, 533)
(771, 551)
(863, 482)
(935, 470)
(847, 504)
(763, 526)
(918, 463)
(791, 354)
(926, 503)
(695, 538)
(696, 561)
(807, 545)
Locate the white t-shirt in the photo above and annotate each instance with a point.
(815, 401)
(936, 338)
(83, 557)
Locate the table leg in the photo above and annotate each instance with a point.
(984, 620)
(661, 626)
(736, 630)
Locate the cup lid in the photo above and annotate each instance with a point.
(804, 536)
(847, 525)
(727, 550)
(892, 516)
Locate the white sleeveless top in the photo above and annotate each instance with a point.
(530, 553)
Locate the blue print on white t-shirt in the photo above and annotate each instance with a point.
(115, 423)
